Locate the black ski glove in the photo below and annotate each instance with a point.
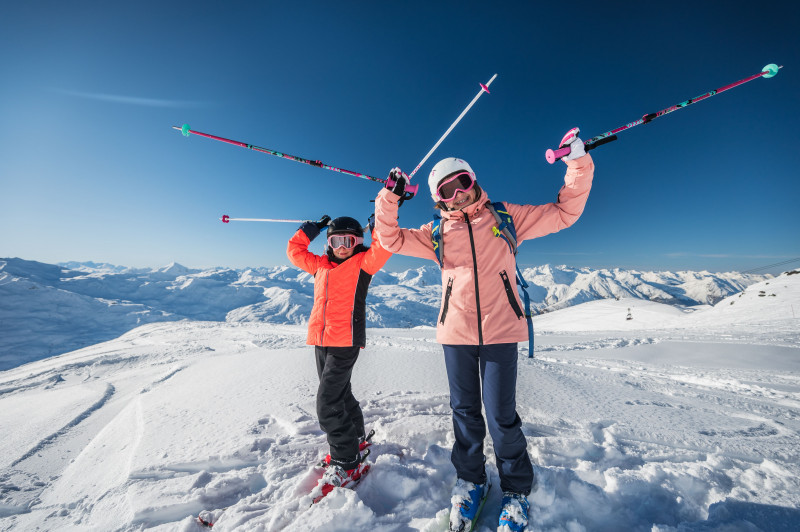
(312, 229)
(397, 183)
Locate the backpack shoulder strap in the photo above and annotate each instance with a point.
(436, 238)
(505, 225)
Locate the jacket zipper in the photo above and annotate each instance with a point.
(510, 294)
(446, 299)
(475, 276)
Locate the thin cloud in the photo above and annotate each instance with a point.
(129, 100)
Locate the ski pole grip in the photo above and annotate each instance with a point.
(390, 183)
(554, 155)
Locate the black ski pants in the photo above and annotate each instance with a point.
(339, 413)
(495, 368)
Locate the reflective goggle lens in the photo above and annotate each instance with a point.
(344, 241)
(462, 181)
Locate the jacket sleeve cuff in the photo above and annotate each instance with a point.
(388, 195)
(580, 163)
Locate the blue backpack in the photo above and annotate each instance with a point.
(505, 230)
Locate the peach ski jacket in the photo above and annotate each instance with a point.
(480, 304)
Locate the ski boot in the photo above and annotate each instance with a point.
(337, 477)
(363, 444)
(467, 502)
(514, 515)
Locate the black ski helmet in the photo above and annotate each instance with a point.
(345, 224)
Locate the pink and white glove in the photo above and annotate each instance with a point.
(575, 144)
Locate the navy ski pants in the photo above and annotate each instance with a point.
(339, 413)
(496, 366)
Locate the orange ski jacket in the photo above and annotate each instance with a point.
(338, 317)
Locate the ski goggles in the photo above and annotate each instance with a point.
(344, 241)
(462, 181)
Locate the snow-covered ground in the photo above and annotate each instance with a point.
(674, 420)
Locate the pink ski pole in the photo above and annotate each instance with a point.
(186, 131)
(609, 136)
(319, 164)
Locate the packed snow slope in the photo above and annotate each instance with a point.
(48, 309)
(670, 421)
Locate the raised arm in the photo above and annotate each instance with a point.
(411, 242)
(297, 249)
(533, 221)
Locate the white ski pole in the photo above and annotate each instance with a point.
(227, 219)
(484, 88)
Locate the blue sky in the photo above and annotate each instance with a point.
(90, 168)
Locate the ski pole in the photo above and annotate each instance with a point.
(186, 131)
(319, 164)
(484, 88)
(609, 136)
(227, 219)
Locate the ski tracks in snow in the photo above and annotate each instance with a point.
(121, 371)
(109, 391)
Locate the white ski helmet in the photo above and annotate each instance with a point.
(444, 168)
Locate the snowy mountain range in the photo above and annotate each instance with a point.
(48, 309)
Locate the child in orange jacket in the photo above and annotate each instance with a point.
(337, 330)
